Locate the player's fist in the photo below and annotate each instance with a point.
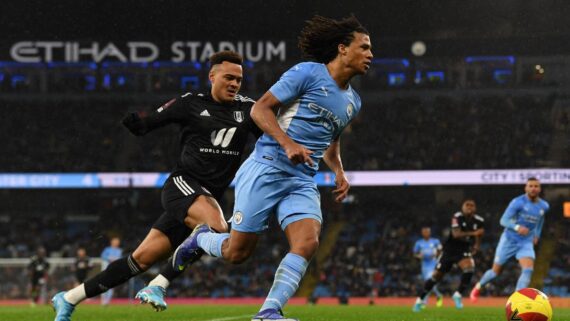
(522, 230)
(298, 154)
(133, 122)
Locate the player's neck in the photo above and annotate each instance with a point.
(339, 73)
(532, 199)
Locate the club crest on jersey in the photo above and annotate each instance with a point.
(350, 110)
(238, 116)
(237, 218)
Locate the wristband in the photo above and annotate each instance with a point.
(517, 228)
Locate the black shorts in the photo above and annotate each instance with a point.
(178, 194)
(449, 258)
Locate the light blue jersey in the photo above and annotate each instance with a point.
(315, 113)
(110, 254)
(524, 212)
(428, 250)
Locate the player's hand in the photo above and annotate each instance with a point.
(342, 187)
(474, 250)
(478, 232)
(535, 241)
(298, 154)
(523, 230)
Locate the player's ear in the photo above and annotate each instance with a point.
(342, 49)
(211, 75)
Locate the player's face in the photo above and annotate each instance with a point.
(469, 208)
(426, 232)
(115, 242)
(81, 253)
(358, 55)
(226, 81)
(532, 189)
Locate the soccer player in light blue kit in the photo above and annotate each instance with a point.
(428, 249)
(111, 253)
(316, 102)
(522, 220)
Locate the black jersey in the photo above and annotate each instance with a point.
(212, 137)
(82, 266)
(38, 267)
(466, 224)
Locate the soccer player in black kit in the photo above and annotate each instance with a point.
(82, 265)
(38, 268)
(464, 241)
(214, 132)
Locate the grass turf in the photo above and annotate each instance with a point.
(245, 312)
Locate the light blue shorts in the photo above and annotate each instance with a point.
(508, 248)
(262, 190)
(427, 269)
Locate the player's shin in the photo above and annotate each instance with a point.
(465, 281)
(524, 278)
(286, 282)
(428, 285)
(487, 277)
(118, 272)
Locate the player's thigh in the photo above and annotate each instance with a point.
(179, 194)
(302, 202)
(205, 209)
(467, 263)
(259, 188)
(525, 254)
(505, 250)
(303, 236)
(155, 247)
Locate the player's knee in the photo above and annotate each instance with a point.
(306, 249)
(139, 258)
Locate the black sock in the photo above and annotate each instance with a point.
(169, 272)
(118, 272)
(465, 282)
(430, 283)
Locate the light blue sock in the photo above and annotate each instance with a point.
(287, 278)
(487, 277)
(524, 279)
(436, 291)
(211, 242)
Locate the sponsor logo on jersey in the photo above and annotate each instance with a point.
(238, 116)
(223, 137)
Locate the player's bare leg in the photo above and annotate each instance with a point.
(487, 276)
(204, 210)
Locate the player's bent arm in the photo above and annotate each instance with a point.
(263, 114)
(457, 233)
(508, 218)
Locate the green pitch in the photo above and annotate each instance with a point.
(244, 313)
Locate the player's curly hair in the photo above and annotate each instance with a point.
(321, 36)
(226, 55)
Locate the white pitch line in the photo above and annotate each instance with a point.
(230, 318)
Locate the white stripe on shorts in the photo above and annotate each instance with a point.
(181, 187)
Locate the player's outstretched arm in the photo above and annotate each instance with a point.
(140, 123)
(263, 114)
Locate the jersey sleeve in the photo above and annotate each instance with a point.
(508, 220)
(292, 84)
(173, 111)
(417, 247)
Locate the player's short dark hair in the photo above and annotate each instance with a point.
(226, 55)
(468, 199)
(321, 36)
(532, 178)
